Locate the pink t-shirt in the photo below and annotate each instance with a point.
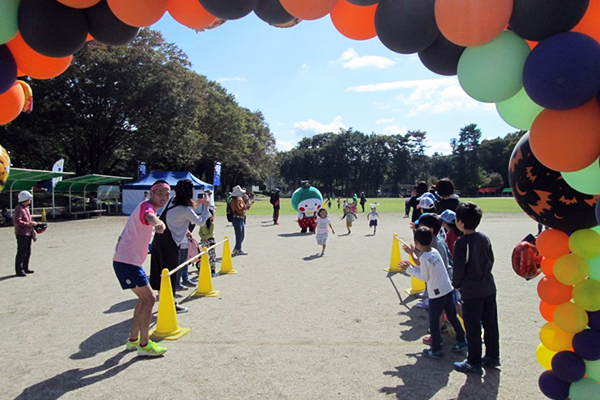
(132, 247)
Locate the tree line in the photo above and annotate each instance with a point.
(350, 161)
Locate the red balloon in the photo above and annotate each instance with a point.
(138, 12)
(553, 243)
(354, 22)
(79, 3)
(309, 9)
(34, 64)
(526, 260)
(547, 311)
(553, 292)
(589, 23)
(190, 13)
(11, 103)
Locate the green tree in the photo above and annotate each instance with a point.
(465, 159)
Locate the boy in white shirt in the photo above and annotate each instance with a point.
(439, 289)
(373, 216)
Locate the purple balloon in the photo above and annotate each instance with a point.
(587, 344)
(553, 387)
(568, 366)
(8, 69)
(594, 317)
(562, 71)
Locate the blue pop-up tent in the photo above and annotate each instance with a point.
(133, 193)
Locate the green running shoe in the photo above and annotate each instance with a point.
(130, 346)
(152, 349)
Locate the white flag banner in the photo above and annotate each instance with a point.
(58, 167)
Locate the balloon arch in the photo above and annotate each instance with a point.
(537, 60)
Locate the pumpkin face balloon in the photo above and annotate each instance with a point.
(4, 167)
(544, 195)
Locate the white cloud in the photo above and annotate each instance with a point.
(384, 121)
(283, 145)
(434, 96)
(312, 127)
(351, 59)
(305, 67)
(438, 147)
(394, 130)
(232, 79)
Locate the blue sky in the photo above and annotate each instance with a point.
(310, 79)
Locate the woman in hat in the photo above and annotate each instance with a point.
(239, 208)
(177, 216)
(24, 233)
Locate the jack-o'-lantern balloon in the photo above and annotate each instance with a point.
(544, 195)
(4, 167)
(526, 261)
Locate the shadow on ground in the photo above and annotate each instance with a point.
(107, 339)
(427, 376)
(74, 379)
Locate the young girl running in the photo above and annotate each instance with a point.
(130, 254)
(373, 216)
(350, 217)
(323, 225)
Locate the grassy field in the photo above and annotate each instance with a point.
(385, 205)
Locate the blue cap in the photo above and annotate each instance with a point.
(448, 216)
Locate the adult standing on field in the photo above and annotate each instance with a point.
(239, 208)
(24, 233)
(276, 206)
(363, 200)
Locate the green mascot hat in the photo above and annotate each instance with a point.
(303, 193)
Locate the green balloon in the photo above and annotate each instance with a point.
(493, 72)
(585, 180)
(519, 111)
(587, 295)
(9, 9)
(584, 389)
(592, 368)
(594, 266)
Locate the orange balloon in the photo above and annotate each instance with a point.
(35, 65)
(547, 311)
(548, 265)
(309, 9)
(590, 24)
(552, 243)
(552, 291)
(11, 103)
(138, 12)
(79, 3)
(472, 22)
(354, 22)
(567, 140)
(89, 37)
(190, 13)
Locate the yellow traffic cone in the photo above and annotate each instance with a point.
(44, 215)
(395, 258)
(166, 322)
(226, 261)
(416, 285)
(205, 286)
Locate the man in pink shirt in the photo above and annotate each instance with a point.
(24, 233)
(130, 254)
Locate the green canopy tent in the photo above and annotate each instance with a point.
(86, 183)
(24, 179)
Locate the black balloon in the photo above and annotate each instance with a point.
(544, 195)
(406, 26)
(442, 56)
(52, 29)
(229, 9)
(106, 28)
(272, 12)
(363, 2)
(538, 19)
(8, 69)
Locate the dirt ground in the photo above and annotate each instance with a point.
(289, 325)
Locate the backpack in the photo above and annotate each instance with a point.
(229, 211)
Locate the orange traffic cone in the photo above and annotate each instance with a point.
(205, 286)
(226, 261)
(416, 285)
(166, 322)
(395, 258)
